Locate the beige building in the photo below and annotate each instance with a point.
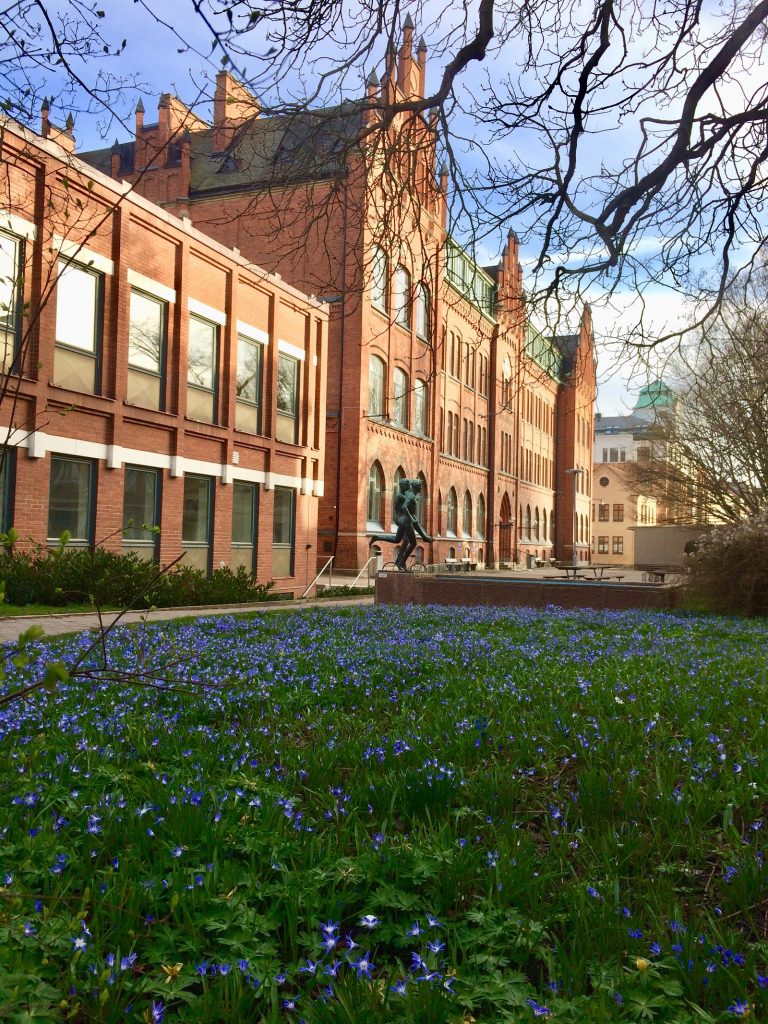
(617, 511)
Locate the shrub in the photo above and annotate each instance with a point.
(729, 570)
(63, 575)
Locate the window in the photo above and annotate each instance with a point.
(375, 387)
(196, 521)
(604, 481)
(283, 532)
(603, 512)
(618, 513)
(544, 524)
(536, 523)
(374, 512)
(146, 347)
(78, 328)
(287, 398)
(400, 398)
(402, 297)
(244, 511)
(602, 545)
(614, 455)
(399, 475)
(11, 257)
(422, 312)
(481, 516)
(71, 499)
(6, 489)
(527, 524)
(618, 545)
(248, 385)
(421, 407)
(421, 501)
(466, 523)
(141, 511)
(379, 279)
(453, 509)
(201, 369)
(643, 454)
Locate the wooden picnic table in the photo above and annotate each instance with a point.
(581, 572)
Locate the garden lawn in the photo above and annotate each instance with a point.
(392, 815)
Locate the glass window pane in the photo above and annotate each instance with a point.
(10, 290)
(249, 371)
(287, 384)
(201, 370)
(140, 505)
(282, 530)
(422, 313)
(375, 387)
(69, 502)
(146, 332)
(77, 307)
(195, 527)
(400, 404)
(379, 278)
(6, 476)
(403, 296)
(243, 513)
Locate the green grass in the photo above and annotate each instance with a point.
(10, 610)
(510, 816)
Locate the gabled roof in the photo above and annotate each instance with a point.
(263, 151)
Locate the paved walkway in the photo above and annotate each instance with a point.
(68, 622)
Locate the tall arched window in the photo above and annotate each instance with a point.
(422, 311)
(466, 524)
(399, 475)
(375, 386)
(379, 278)
(421, 407)
(421, 504)
(544, 524)
(536, 523)
(375, 490)
(453, 512)
(481, 516)
(402, 297)
(400, 397)
(527, 528)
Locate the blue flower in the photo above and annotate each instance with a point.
(739, 1008)
(399, 987)
(369, 921)
(363, 966)
(538, 1009)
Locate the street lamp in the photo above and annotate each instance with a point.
(575, 472)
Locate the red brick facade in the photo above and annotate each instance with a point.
(493, 414)
(81, 408)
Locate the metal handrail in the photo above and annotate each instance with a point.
(314, 581)
(371, 559)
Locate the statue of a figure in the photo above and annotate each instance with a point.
(407, 524)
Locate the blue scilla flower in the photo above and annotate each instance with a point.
(739, 1008)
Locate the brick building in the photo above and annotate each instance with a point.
(433, 371)
(153, 377)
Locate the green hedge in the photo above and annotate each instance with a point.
(68, 575)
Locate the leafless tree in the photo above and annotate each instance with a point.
(711, 456)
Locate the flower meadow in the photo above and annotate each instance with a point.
(392, 815)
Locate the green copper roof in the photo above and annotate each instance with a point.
(656, 395)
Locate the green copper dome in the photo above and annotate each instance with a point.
(656, 395)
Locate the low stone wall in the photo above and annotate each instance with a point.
(424, 588)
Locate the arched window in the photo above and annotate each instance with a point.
(402, 297)
(399, 475)
(527, 527)
(375, 386)
(421, 407)
(453, 512)
(379, 278)
(421, 503)
(520, 523)
(422, 311)
(375, 489)
(466, 519)
(400, 398)
(536, 523)
(544, 525)
(481, 516)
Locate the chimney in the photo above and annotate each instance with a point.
(371, 94)
(233, 104)
(115, 160)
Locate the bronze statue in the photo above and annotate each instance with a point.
(407, 524)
